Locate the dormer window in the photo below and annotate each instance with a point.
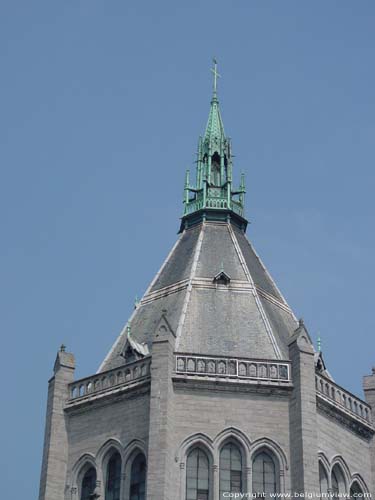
(129, 354)
(133, 350)
(222, 278)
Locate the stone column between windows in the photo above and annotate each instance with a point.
(215, 482)
(124, 486)
(182, 481)
(282, 481)
(249, 479)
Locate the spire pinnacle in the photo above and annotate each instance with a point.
(215, 126)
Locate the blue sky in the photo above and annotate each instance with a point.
(101, 107)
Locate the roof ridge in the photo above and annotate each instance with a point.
(193, 269)
(258, 302)
(270, 277)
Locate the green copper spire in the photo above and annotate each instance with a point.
(213, 196)
(215, 128)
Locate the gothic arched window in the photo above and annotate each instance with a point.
(197, 475)
(230, 469)
(323, 479)
(215, 170)
(356, 490)
(265, 474)
(138, 478)
(338, 480)
(113, 482)
(88, 484)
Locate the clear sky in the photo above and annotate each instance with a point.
(101, 106)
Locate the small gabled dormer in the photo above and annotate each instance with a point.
(133, 350)
(320, 366)
(129, 354)
(222, 278)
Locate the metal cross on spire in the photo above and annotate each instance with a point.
(216, 74)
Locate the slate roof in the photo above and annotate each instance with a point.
(247, 317)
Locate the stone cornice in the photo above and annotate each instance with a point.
(362, 429)
(131, 391)
(222, 384)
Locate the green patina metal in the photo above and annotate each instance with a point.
(213, 189)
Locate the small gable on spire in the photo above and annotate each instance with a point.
(164, 330)
(134, 350)
(320, 365)
(222, 278)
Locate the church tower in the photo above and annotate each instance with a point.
(213, 388)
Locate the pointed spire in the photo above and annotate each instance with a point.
(212, 195)
(215, 126)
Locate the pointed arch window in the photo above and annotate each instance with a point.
(323, 479)
(215, 170)
(113, 480)
(138, 478)
(356, 490)
(230, 469)
(197, 475)
(88, 484)
(338, 481)
(265, 474)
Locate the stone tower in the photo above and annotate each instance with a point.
(213, 387)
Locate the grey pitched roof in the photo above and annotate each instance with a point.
(248, 316)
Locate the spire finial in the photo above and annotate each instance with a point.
(62, 348)
(216, 75)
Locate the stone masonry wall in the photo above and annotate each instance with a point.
(336, 440)
(122, 419)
